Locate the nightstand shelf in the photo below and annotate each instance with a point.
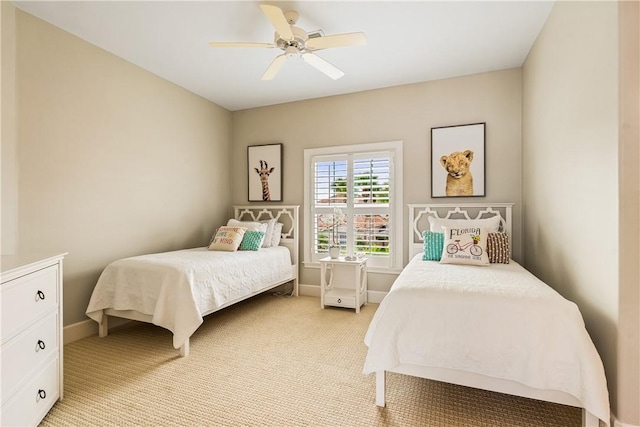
(343, 283)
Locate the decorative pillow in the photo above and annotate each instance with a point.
(252, 240)
(465, 245)
(227, 239)
(498, 248)
(268, 234)
(277, 234)
(491, 224)
(433, 245)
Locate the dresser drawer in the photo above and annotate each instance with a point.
(27, 298)
(25, 353)
(338, 298)
(34, 400)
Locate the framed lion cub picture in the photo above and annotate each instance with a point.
(458, 161)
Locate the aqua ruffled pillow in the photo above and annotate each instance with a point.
(252, 241)
(433, 245)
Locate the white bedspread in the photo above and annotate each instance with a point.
(178, 288)
(499, 321)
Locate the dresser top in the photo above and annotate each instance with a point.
(9, 263)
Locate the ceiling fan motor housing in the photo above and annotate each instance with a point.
(299, 39)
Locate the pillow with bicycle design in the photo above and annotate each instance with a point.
(465, 245)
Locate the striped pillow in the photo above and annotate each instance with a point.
(498, 248)
(252, 240)
(433, 245)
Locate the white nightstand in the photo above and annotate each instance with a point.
(347, 285)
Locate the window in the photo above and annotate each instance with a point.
(353, 198)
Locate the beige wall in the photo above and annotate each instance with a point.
(404, 113)
(628, 357)
(9, 213)
(112, 160)
(574, 228)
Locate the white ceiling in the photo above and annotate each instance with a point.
(408, 42)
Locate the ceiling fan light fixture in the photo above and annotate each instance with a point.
(291, 51)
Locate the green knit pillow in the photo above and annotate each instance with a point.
(252, 241)
(433, 245)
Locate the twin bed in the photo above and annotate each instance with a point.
(494, 327)
(175, 290)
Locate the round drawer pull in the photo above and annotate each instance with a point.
(40, 345)
(41, 395)
(339, 301)
(39, 295)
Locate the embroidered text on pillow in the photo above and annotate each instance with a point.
(465, 245)
(227, 239)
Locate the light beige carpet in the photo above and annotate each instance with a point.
(268, 361)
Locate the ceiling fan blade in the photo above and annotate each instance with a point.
(275, 66)
(240, 44)
(337, 40)
(322, 65)
(278, 21)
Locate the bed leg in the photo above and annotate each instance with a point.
(295, 287)
(380, 386)
(589, 420)
(184, 348)
(103, 327)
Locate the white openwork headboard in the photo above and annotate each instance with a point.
(286, 214)
(419, 214)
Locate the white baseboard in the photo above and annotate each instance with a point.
(616, 423)
(374, 297)
(309, 290)
(88, 327)
(80, 330)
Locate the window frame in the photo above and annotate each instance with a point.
(396, 235)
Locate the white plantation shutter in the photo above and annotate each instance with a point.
(371, 208)
(352, 201)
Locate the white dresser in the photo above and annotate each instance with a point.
(30, 337)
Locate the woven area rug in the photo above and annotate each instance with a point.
(268, 361)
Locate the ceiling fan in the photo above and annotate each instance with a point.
(295, 42)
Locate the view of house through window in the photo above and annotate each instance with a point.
(353, 205)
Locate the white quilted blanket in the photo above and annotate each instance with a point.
(178, 288)
(499, 321)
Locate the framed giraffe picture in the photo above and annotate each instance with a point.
(265, 172)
